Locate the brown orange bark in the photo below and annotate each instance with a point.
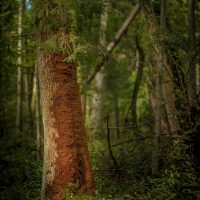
(66, 156)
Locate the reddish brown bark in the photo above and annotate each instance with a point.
(66, 157)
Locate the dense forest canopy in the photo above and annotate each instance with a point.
(100, 99)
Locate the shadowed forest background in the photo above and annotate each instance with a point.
(100, 99)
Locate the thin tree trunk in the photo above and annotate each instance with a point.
(198, 77)
(19, 70)
(167, 76)
(28, 89)
(159, 85)
(98, 104)
(98, 97)
(37, 116)
(158, 115)
(140, 66)
(84, 103)
(192, 88)
(34, 91)
(116, 104)
(153, 102)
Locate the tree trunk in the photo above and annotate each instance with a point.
(19, 70)
(158, 115)
(159, 85)
(140, 66)
(192, 89)
(66, 157)
(66, 162)
(98, 99)
(167, 76)
(153, 102)
(28, 89)
(37, 115)
(116, 105)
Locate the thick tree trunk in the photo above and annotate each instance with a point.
(66, 157)
(66, 162)
(19, 70)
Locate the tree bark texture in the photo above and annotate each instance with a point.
(66, 157)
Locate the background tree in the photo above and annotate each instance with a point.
(19, 71)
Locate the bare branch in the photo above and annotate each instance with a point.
(116, 40)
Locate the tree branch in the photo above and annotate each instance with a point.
(116, 40)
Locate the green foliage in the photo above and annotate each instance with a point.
(51, 17)
(173, 183)
(59, 42)
(72, 27)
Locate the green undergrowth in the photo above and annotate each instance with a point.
(20, 172)
(21, 175)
